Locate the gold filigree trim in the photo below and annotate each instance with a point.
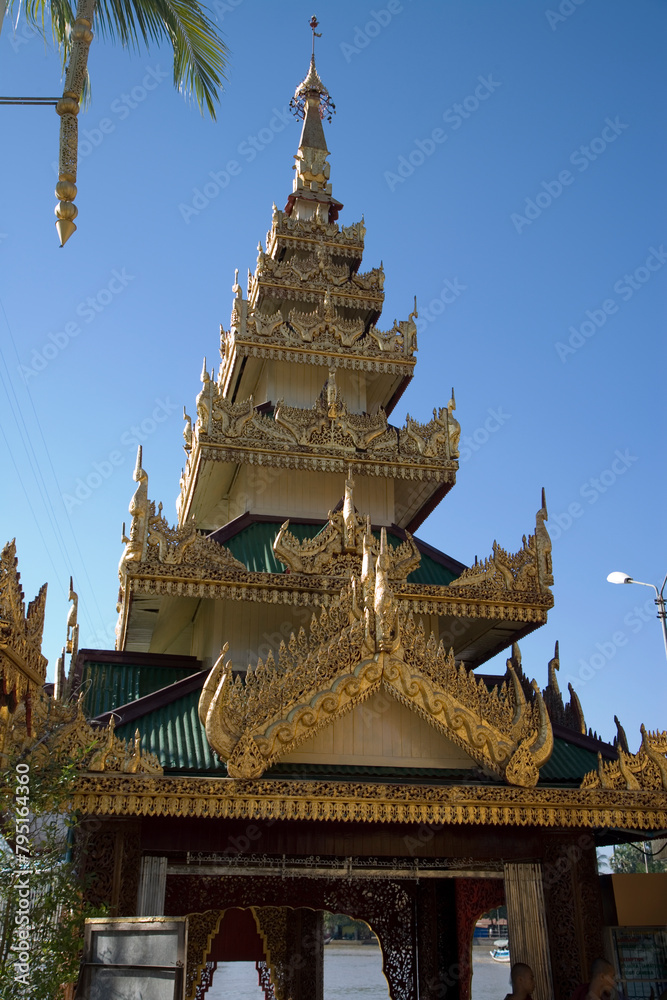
(72, 733)
(349, 802)
(645, 770)
(22, 666)
(359, 645)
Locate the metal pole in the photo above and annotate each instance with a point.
(660, 601)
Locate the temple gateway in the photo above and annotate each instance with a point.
(296, 718)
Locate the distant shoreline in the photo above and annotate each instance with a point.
(373, 943)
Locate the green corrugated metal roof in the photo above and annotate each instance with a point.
(254, 547)
(567, 764)
(175, 735)
(110, 685)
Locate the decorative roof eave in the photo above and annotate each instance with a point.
(441, 474)
(315, 592)
(325, 459)
(277, 351)
(507, 747)
(344, 297)
(154, 545)
(644, 770)
(179, 562)
(329, 428)
(307, 233)
(358, 802)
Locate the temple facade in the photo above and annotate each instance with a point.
(295, 715)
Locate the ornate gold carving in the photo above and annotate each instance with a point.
(571, 715)
(288, 230)
(354, 802)
(68, 108)
(155, 547)
(323, 329)
(337, 550)
(202, 929)
(363, 643)
(205, 400)
(73, 734)
(620, 740)
(22, 666)
(135, 545)
(645, 770)
(296, 437)
(528, 570)
(272, 926)
(438, 438)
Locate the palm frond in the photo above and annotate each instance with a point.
(199, 52)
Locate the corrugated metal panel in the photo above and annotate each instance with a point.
(254, 547)
(109, 685)
(567, 764)
(431, 572)
(176, 736)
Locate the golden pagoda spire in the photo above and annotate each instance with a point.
(311, 104)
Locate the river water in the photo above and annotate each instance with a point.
(355, 971)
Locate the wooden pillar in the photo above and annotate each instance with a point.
(127, 864)
(574, 911)
(527, 924)
(108, 858)
(293, 941)
(427, 939)
(152, 886)
(305, 956)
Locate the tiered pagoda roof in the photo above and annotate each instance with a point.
(298, 499)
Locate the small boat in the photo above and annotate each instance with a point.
(500, 952)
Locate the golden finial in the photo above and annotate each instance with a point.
(138, 470)
(312, 86)
(72, 621)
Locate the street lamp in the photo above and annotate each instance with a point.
(617, 577)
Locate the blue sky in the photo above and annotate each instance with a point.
(509, 160)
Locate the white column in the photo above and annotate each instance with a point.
(152, 886)
(527, 925)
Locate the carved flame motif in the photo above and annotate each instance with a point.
(362, 644)
(645, 770)
(73, 735)
(529, 569)
(327, 427)
(571, 715)
(153, 542)
(22, 666)
(338, 549)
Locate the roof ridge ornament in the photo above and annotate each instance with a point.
(311, 191)
(311, 86)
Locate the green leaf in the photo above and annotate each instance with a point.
(199, 52)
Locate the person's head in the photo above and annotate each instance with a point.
(523, 980)
(603, 977)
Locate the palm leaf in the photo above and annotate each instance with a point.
(199, 52)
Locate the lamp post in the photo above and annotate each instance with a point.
(617, 577)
